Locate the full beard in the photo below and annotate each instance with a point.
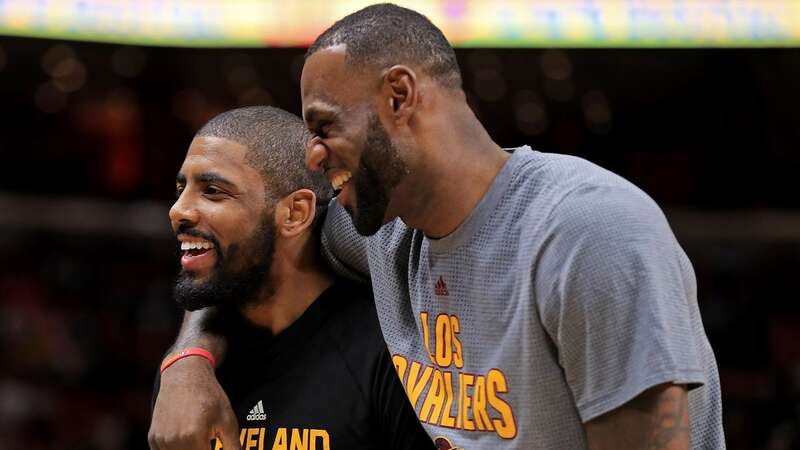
(380, 170)
(228, 286)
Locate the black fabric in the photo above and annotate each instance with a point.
(329, 371)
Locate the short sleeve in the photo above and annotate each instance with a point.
(614, 291)
(342, 246)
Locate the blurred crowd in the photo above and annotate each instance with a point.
(86, 313)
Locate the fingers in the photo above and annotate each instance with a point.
(192, 409)
(186, 439)
(230, 441)
(229, 431)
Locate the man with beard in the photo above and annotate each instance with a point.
(307, 366)
(530, 300)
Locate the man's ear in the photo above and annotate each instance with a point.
(400, 89)
(295, 213)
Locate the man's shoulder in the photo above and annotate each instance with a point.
(556, 184)
(353, 320)
(349, 297)
(556, 174)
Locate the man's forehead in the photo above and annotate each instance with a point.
(327, 87)
(214, 153)
(338, 48)
(322, 69)
(216, 147)
(335, 55)
(325, 64)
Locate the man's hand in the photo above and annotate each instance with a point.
(656, 419)
(191, 409)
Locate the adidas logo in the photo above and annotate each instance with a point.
(257, 413)
(441, 287)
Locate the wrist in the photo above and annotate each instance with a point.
(192, 352)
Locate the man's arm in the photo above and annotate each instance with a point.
(342, 247)
(191, 408)
(398, 424)
(657, 419)
(617, 297)
(199, 329)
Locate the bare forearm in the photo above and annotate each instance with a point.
(199, 330)
(656, 419)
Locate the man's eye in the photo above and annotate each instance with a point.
(178, 191)
(213, 191)
(322, 129)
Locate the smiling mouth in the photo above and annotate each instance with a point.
(196, 248)
(339, 180)
(196, 254)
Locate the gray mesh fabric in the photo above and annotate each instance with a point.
(561, 297)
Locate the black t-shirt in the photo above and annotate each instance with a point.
(327, 382)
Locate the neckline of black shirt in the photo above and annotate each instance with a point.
(245, 338)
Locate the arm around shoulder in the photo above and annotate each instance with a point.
(342, 247)
(191, 408)
(200, 329)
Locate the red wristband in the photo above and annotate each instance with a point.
(196, 351)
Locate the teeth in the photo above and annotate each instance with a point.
(196, 245)
(341, 179)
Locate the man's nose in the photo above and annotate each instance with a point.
(316, 154)
(183, 213)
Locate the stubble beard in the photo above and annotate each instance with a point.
(380, 170)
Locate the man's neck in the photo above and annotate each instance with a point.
(459, 169)
(297, 280)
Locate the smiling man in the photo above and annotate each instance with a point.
(307, 366)
(529, 300)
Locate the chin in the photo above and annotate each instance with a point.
(193, 278)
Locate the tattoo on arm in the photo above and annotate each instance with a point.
(657, 419)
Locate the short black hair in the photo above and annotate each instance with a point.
(385, 34)
(276, 142)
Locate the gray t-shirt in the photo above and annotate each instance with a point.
(561, 297)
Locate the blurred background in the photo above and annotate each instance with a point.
(704, 118)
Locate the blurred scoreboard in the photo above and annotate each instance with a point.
(467, 23)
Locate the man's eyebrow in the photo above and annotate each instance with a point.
(212, 177)
(310, 115)
(314, 111)
(180, 178)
